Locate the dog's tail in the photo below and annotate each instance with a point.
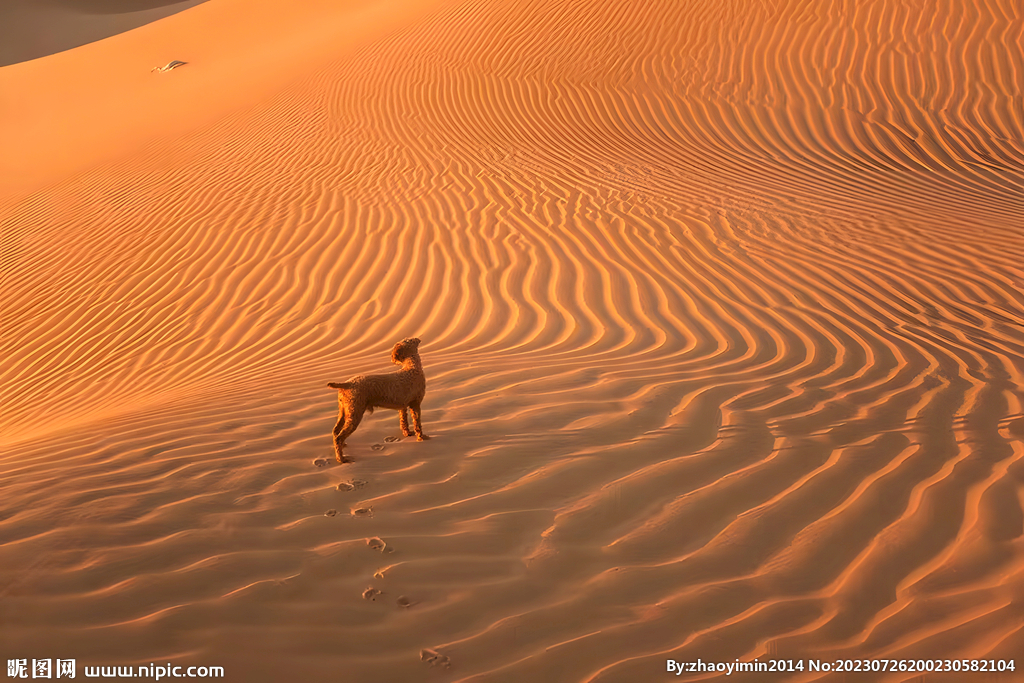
(340, 385)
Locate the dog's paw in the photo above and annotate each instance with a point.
(344, 459)
(422, 437)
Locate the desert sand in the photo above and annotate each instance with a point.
(722, 309)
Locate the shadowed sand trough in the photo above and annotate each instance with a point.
(31, 29)
(722, 309)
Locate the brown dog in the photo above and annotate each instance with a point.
(396, 391)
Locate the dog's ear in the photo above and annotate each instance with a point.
(398, 353)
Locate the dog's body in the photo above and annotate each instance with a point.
(396, 391)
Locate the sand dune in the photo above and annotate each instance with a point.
(30, 29)
(723, 318)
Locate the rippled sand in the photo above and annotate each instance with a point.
(723, 318)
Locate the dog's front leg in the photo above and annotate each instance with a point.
(420, 436)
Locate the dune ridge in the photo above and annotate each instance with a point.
(723, 322)
(30, 29)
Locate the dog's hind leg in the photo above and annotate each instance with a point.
(420, 436)
(352, 418)
(403, 422)
(339, 443)
(341, 421)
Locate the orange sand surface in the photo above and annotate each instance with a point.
(722, 308)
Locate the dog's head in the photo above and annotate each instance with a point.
(404, 349)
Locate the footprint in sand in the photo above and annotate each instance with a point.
(362, 512)
(377, 447)
(377, 544)
(321, 462)
(403, 601)
(169, 65)
(371, 593)
(392, 439)
(351, 485)
(434, 659)
(330, 513)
